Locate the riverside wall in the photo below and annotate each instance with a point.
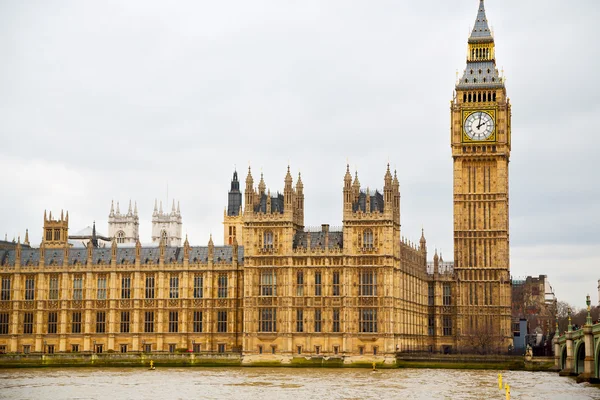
(452, 361)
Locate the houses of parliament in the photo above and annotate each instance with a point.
(277, 290)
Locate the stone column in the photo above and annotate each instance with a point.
(569, 365)
(588, 340)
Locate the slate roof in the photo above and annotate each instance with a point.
(53, 256)
(477, 80)
(124, 255)
(376, 202)
(488, 78)
(317, 240)
(77, 256)
(481, 31)
(277, 204)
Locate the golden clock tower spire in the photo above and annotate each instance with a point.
(480, 141)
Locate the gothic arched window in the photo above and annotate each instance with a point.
(164, 236)
(368, 238)
(120, 237)
(268, 240)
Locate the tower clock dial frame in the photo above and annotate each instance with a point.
(479, 125)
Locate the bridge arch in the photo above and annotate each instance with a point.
(563, 357)
(579, 356)
(597, 360)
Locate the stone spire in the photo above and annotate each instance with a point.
(135, 211)
(211, 249)
(118, 209)
(129, 211)
(26, 242)
(261, 185)
(423, 242)
(94, 238)
(155, 208)
(112, 209)
(249, 192)
(347, 177)
(388, 176)
(234, 197)
(288, 178)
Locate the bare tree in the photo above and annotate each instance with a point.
(483, 339)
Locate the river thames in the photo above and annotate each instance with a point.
(283, 383)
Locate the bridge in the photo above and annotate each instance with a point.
(577, 352)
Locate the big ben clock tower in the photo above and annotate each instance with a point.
(480, 137)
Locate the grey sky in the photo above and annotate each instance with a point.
(112, 100)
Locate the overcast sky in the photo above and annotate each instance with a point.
(116, 100)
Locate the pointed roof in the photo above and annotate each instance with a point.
(288, 177)
(481, 30)
(261, 185)
(348, 176)
(480, 72)
(299, 183)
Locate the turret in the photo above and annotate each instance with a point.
(348, 190)
(261, 185)
(300, 201)
(234, 201)
(186, 249)
(94, 237)
(249, 193)
(396, 190)
(388, 191)
(167, 226)
(355, 187)
(123, 227)
(211, 249)
(288, 193)
(56, 232)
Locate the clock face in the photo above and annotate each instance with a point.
(479, 126)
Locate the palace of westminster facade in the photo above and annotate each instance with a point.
(277, 290)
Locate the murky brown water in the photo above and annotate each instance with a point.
(283, 383)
